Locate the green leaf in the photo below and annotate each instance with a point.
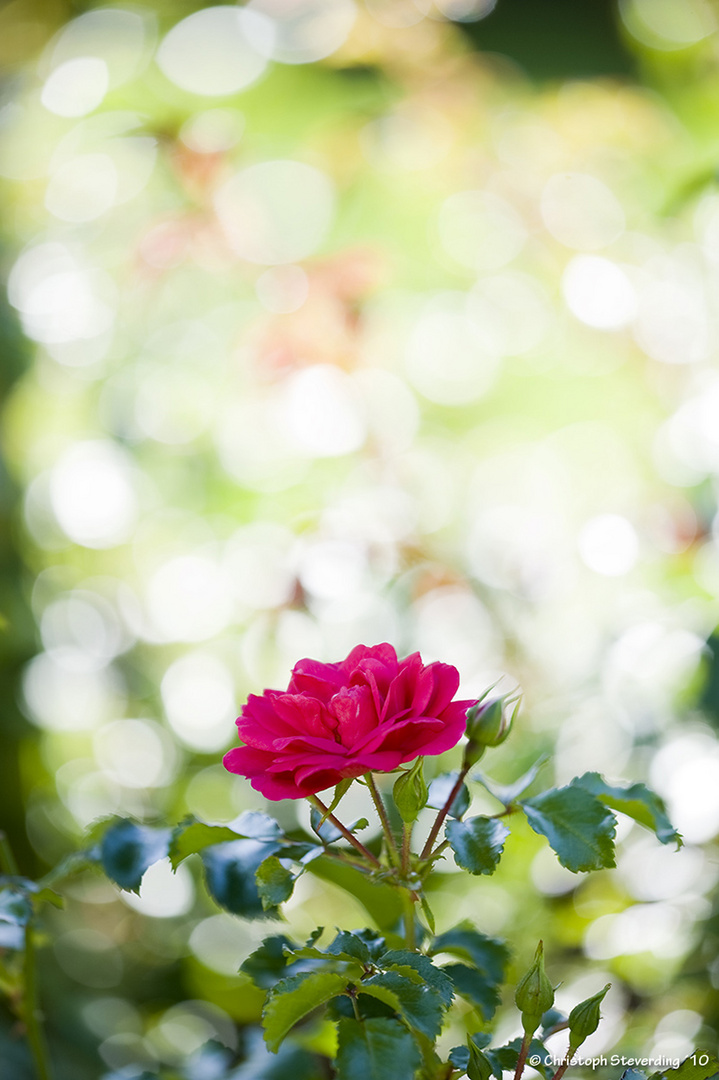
(379, 1049)
(292, 999)
(347, 944)
(701, 1065)
(266, 965)
(489, 955)
(15, 906)
(440, 790)
(256, 826)
(475, 988)
(230, 875)
(477, 843)
(636, 801)
(328, 832)
(507, 793)
(274, 882)
(577, 825)
(381, 901)
(418, 1005)
(128, 849)
(192, 836)
(418, 967)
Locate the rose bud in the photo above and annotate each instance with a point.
(534, 994)
(584, 1019)
(489, 722)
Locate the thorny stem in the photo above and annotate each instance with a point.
(33, 1015)
(380, 808)
(522, 1059)
(364, 852)
(565, 1064)
(439, 820)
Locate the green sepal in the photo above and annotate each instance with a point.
(410, 792)
(576, 824)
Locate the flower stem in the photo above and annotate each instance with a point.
(564, 1066)
(33, 1015)
(439, 820)
(364, 852)
(382, 811)
(406, 847)
(522, 1059)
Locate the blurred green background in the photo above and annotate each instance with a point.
(332, 321)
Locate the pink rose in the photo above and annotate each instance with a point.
(368, 713)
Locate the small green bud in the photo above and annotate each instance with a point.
(479, 1067)
(488, 724)
(584, 1019)
(534, 994)
(410, 792)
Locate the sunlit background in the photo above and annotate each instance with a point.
(333, 321)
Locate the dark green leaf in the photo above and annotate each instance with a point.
(259, 1064)
(379, 1049)
(230, 874)
(418, 1005)
(633, 1074)
(701, 1065)
(292, 999)
(346, 944)
(192, 836)
(508, 793)
(128, 849)
(475, 988)
(489, 955)
(459, 1057)
(274, 882)
(477, 843)
(635, 800)
(405, 963)
(266, 965)
(256, 826)
(441, 788)
(381, 901)
(577, 825)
